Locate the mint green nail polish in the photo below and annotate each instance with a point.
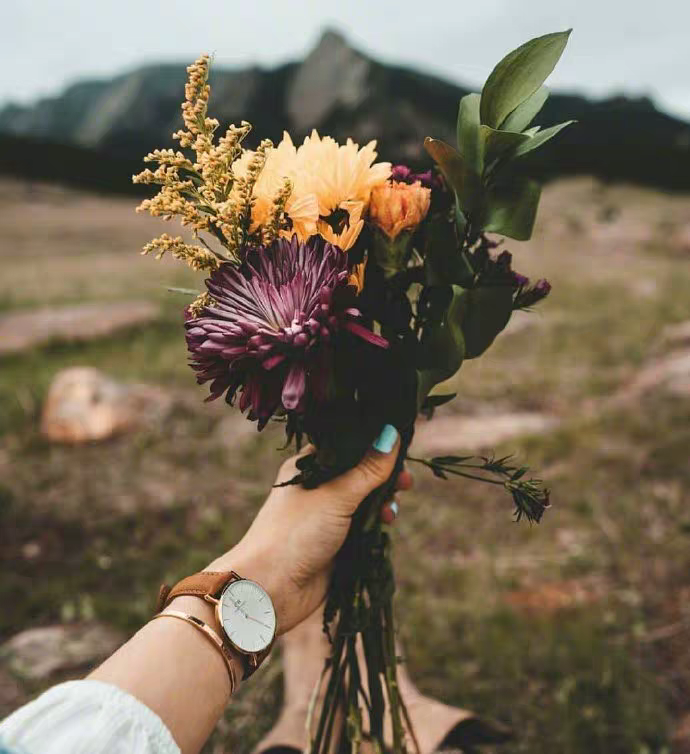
(386, 440)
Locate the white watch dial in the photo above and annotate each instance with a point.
(247, 615)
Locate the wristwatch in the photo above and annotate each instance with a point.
(244, 611)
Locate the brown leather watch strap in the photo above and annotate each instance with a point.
(211, 583)
(197, 585)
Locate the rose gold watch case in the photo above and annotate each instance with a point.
(254, 657)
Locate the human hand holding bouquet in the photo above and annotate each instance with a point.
(340, 292)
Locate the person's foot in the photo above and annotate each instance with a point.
(438, 726)
(304, 652)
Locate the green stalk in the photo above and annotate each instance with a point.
(330, 698)
(361, 596)
(354, 716)
(374, 661)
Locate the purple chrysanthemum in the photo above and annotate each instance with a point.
(270, 327)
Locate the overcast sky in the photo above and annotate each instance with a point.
(632, 46)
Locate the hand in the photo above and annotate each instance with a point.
(290, 546)
(289, 550)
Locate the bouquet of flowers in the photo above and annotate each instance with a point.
(340, 291)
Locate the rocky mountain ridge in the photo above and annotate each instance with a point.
(338, 90)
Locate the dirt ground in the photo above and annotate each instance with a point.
(574, 632)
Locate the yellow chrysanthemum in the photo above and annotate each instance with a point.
(301, 208)
(342, 178)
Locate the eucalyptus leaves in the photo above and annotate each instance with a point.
(491, 193)
(494, 133)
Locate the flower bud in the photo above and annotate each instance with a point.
(396, 207)
(403, 174)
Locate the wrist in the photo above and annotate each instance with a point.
(249, 563)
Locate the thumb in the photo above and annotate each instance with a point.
(371, 472)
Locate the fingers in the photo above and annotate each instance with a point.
(405, 481)
(289, 468)
(390, 512)
(371, 472)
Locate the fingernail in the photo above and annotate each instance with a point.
(395, 509)
(386, 440)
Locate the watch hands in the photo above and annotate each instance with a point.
(258, 621)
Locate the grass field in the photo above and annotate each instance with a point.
(574, 632)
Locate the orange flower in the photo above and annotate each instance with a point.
(395, 207)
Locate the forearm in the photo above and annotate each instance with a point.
(174, 670)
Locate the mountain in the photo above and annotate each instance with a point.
(338, 90)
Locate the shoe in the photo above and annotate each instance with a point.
(438, 727)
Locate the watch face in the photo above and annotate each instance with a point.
(247, 616)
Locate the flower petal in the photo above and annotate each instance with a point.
(294, 387)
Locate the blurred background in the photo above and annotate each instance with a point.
(115, 476)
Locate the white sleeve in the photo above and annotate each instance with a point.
(86, 717)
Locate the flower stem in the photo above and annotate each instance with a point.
(361, 597)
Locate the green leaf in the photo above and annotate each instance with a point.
(450, 460)
(469, 142)
(449, 160)
(460, 219)
(540, 138)
(511, 207)
(185, 291)
(391, 255)
(487, 313)
(434, 401)
(519, 75)
(498, 144)
(525, 112)
(471, 148)
(444, 262)
(442, 348)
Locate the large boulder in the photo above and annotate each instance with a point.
(39, 653)
(84, 405)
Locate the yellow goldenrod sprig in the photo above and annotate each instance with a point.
(235, 214)
(277, 221)
(203, 192)
(195, 256)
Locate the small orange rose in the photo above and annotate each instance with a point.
(396, 206)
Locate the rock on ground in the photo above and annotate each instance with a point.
(85, 405)
(670, 374)
(447, 434)
(21, 331)
(38, 653)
